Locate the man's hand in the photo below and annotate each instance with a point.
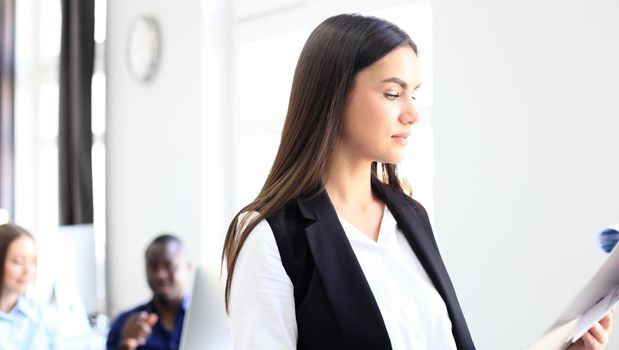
(597, 336)
(136, 330)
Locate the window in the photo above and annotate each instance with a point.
(38, 31)
(36, 113)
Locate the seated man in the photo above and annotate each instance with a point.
(157, 324)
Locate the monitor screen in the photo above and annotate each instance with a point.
(206, 325)
(67, 276)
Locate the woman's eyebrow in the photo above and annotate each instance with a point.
(400, 82)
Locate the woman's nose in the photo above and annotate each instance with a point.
(409, 114)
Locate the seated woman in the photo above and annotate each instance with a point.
(22, 324)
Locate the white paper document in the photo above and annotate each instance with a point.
(595, 314)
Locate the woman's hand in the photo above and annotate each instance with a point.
(597, 336)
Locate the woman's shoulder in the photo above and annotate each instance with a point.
(30, 308)
(33, 326)
(259, 253)
(261, 235)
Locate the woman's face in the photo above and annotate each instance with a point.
(381, 109)
(20, 265)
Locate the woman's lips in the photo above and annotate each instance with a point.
(401, 138)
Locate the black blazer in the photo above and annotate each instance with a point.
(335, 307)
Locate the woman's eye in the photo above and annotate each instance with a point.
(413, 98)
(392, 95)
(18, 262)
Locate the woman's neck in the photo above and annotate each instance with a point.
(8, 300)
(348, 182)
(350, 189)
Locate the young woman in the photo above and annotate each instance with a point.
(332, 254)
(22, 324)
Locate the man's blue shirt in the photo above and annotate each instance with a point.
(160, 338)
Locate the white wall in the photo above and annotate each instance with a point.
(153, 144)
(216, 100)
(525, 150)
(526, 155)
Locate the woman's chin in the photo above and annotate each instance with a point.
(392, 159)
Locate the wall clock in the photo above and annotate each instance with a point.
(143, 48)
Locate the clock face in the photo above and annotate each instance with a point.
(143, 48)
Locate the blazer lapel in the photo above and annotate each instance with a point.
(345, 285)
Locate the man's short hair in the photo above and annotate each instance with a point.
(165, 238)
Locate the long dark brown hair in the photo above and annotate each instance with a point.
(334, 53)
(8, 234)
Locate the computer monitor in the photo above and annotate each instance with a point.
(206, 326)
(67, 276)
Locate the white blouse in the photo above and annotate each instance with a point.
(262, 308)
